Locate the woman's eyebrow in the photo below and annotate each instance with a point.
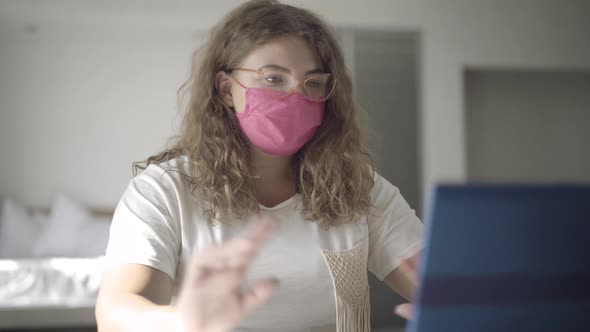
(314, 71)
(277, 67)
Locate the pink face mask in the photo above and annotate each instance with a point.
(277, 124)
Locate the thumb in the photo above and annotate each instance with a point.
(405, 310)
(258, 295)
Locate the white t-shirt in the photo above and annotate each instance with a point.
(322, 273)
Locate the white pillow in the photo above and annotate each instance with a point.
(60, 234)
(93, 237)
(72, 231)
(19, 230)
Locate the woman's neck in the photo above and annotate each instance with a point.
(270, 168)
(275, 182)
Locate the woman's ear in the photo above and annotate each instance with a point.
(223, 84)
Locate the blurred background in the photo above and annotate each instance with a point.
(454, 90)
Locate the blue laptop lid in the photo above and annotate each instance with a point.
(506, 258)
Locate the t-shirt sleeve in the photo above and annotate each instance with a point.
(395, 232)
(143, 229)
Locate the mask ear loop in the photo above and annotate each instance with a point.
(218, 92)
(235, 114)
(223, 102)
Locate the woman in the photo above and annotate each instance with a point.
(270, 139)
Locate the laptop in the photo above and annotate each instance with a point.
(505, 258)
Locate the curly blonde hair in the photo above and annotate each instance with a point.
(334, 173)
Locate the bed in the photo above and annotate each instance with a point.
(48, 292)
(51, 263)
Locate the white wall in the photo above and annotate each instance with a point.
(78, 106)
(455, 34)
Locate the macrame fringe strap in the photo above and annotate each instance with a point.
(348, 269)
(353, 317)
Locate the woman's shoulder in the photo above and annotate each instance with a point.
(178, 166)
(169, 174)
(163, 184)
(382, 188)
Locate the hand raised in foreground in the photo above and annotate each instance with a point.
(211, 299)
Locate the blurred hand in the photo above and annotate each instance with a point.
(409, 267)
(405, 310)
(210, 299)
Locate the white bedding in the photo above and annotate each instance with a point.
(63, 282)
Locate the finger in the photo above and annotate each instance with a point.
(218, 274)
(238, 257)
(260, 231)
(210, 262)
(215, 276)
(236, 254)
(259, 294)
(235, 257)
(405, 310)
(241, 251)
(227, 281)
(199, 262)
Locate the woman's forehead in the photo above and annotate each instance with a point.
(288, 52)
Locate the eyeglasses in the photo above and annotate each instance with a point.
(317, 87)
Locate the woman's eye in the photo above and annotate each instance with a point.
(274, 79)
(314, 84)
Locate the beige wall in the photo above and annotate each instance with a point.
(528, 126)
(48, 70)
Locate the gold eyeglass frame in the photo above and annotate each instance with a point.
(260, 72)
